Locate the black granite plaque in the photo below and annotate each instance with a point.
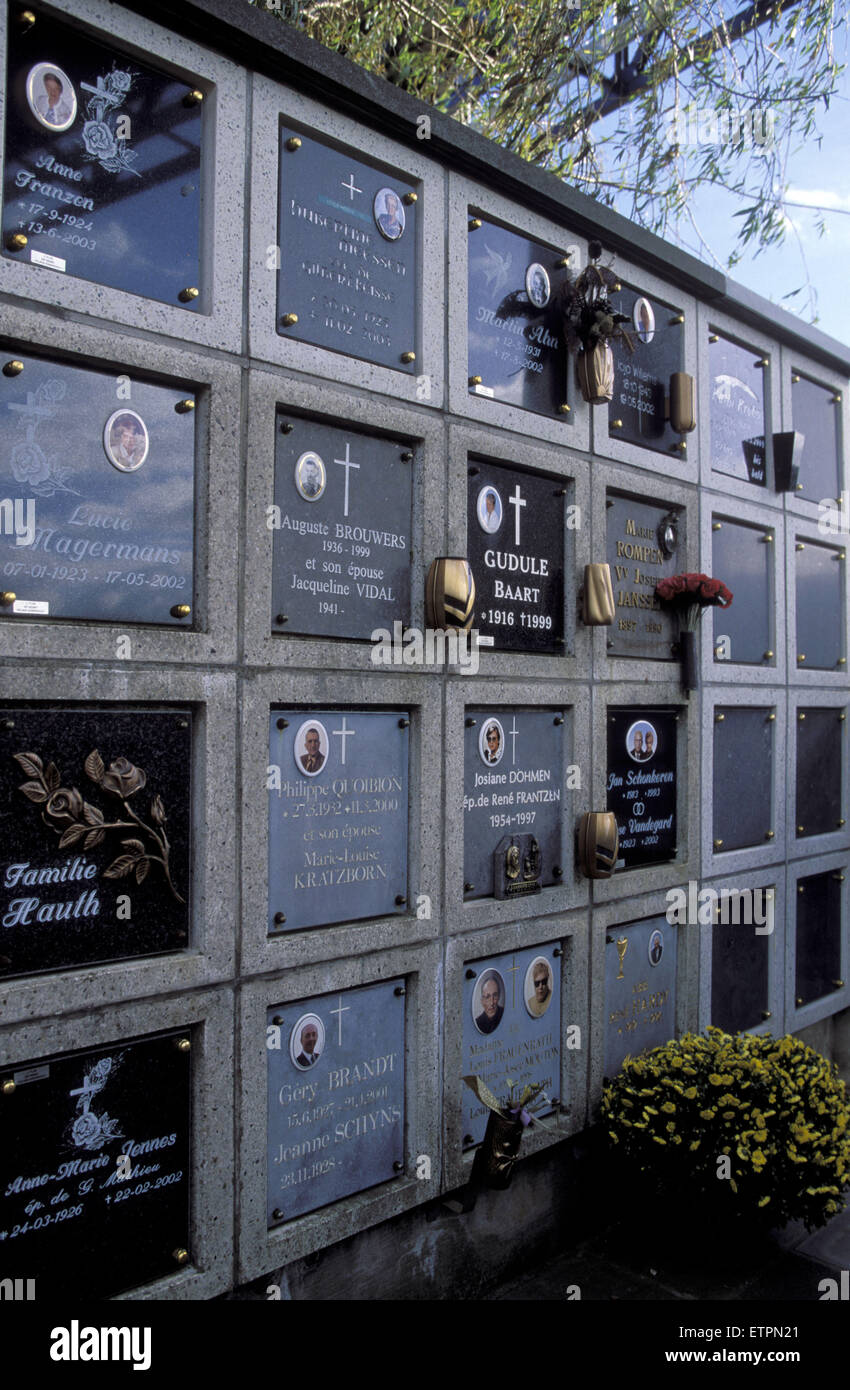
(642, 377)
(338, 809)
(516, 341)
(820, 756)
(736, 416)
(348, 254)
(341, 522)
(820, 582)
(96, 834)
(743, 759)
(818, 952)
(99, 473)
(742, 557)
(642, 783)
(95, 1167)
(739, 965)
(815, 414)
(511, 1030)
(336, 1097)
(640, 989)
(637, 542)
(515, 544)
(103, 163)
(515, 776)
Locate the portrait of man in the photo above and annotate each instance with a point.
(491, 992)
(640, 741)
(538, 987)
(51, 97)
(307, 1041)
(491, 742)
(311, 748)
(537, 285)
(389, 214)
(637, 747)
(489, 510)
(643, 320)
(126, 440)
(310, 477)
(656, 947)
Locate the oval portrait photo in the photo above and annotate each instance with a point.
(126, 440)
(643, 320)
(537, 285)
(537, 990)
(488, 509)
(311, 747)
(51, 97)
(655, 950)
(310, 476)
(641, 741)
(488, 1001)
(491, 742)
(307, 1041)
(388, 212)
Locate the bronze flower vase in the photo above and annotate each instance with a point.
(689, 653)
(595, 373)
(497, 1153)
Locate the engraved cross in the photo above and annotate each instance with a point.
(512, 972)
(346, 463)
(352, 189)
(342, 734)
(341, 1009)
(512, 735)
(517, 501)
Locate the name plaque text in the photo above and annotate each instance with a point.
(642, 783)
(640, 989)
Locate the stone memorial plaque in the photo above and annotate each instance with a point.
(818, 953)
(640, 989)
(514, 775)
(96, 860)
(338, 808)
(642, 377)
(742, 557)
(645, 543)
(736, 415)
(348, 254)
(820, 580)
(515, 544)
(336, 1097)
(642, 783)
(815, 414)
(94, 1192)
(739, 966)
(516, 341)
(100, 471)
(511, 1029)
(820, 758)
(743, 757)
(103, 164)
(341, 532)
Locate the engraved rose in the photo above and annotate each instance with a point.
(86, 1131)
(65, 804)
(119, 81)
(99, 140)
(123, 778)
(29, 463)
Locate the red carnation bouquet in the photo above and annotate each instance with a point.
(689, 594)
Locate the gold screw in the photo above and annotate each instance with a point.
(717, 526)
(180, 610)
(767, 538)
(762, 362)
(842, 716)
(678, 318)
(682, 446)
(183, 407)
(8, 1087)
(801, 888)
(771, 718)
(193, 98)
(183, 1044)
(410, 198)
(838, 984)
(289, 319)
(719, 718)
(801, 716)
(839, 878)
(799, 487)
(474, 223)
(718, 844)
(766, 1014)
(801, 656)
(26, 19)
(408, 357)
(799, 546)
(475, 381)
(842, 661)
(564, 409)
(769, 834)
(7, 596)
(293, 143)
(180, 1256)
(714, 337)
(798, 1001)
(839, 823)
(836, 400)
(13, 367)
(563, 263)
(616, 424)
(616, 287)
(800, 829)
(794, 379)
(768, 656)
(186, 296)
(16, 241)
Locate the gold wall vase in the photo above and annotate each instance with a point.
(595, 374)
(450, 594)
(598, 596)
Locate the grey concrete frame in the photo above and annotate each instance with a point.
(272, 103)
(838, 839)
(209, 1014)
(605, 477)
(627, 883)
(215, 385)
(732, 508)
(218, 319)
(420, 430)
(772, 701)
(209, 955)
(797, 362)
(501, 448)
(466, 198)
(260, 694)
(261, 1249)
(571, 931)
(800, 1017)
(684, 468)
(572, 892)
(806, 533)
(772, 880)
(708, 321)
(613, 914)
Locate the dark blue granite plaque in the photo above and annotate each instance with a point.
(515, 771)
(337, 816)
(73, 1215)
(740, 958)
(511, 1029)
(642, 783)
(743, 757)
(737, 411)
(336, 1097)
(96, 856)
(100, 473)
(742, 558)
(638, 538)
(103, 163)
(341, 525)
(642, 377)
(640, 989)
(820, 758)
(820, 579)
(815, 414)
(348, 254)
(818, 936)
(515, 544)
